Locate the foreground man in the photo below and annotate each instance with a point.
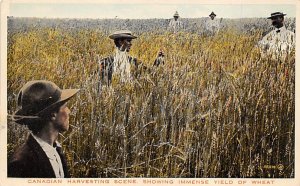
(43, 110)
(280, 41)
(120, 63)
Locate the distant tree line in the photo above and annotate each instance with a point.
(138, 26)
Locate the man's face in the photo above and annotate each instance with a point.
(212, 17)
(125, 44)
(61, 122)
(277, 21)
(175, 17)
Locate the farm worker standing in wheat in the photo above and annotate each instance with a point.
(175, 25)
(43, 110)
(280, 41)
(120, 62)
(212, 25)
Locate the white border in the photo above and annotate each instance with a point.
(3, 93)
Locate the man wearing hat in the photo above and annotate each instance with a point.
(280, 41)
(43, 110)
(120, 63)
(175, 25)
(212, 25)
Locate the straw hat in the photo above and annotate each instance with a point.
(276, 14)
(122, 34)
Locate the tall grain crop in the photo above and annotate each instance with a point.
(215, 109)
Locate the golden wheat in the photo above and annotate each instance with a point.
(215, 109)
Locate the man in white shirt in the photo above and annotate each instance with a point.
(120, 63)
(43, 110)
(175, 25)
(280, 41)
(212, 25)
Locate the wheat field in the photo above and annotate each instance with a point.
(215, 109)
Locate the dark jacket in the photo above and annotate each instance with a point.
(106, 67)
(30, 161)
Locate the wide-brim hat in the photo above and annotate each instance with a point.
(123, 34)
(37, 99)
(212, 14)
(276, 14)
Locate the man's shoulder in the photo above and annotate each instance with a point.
(270, 34)
(22, 153)
(172, 22)
(23, 162)
(107, 59)
(290, 32)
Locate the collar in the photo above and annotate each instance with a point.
(48, 149)
(119, 52)
(281, 29)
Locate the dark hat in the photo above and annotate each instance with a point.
(212, 14)
(125, 34)
(38, 98)
(276, 14)
(176, 14)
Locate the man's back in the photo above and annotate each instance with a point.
(30, 161)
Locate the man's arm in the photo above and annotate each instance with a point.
(264, 43)
(105, 66)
